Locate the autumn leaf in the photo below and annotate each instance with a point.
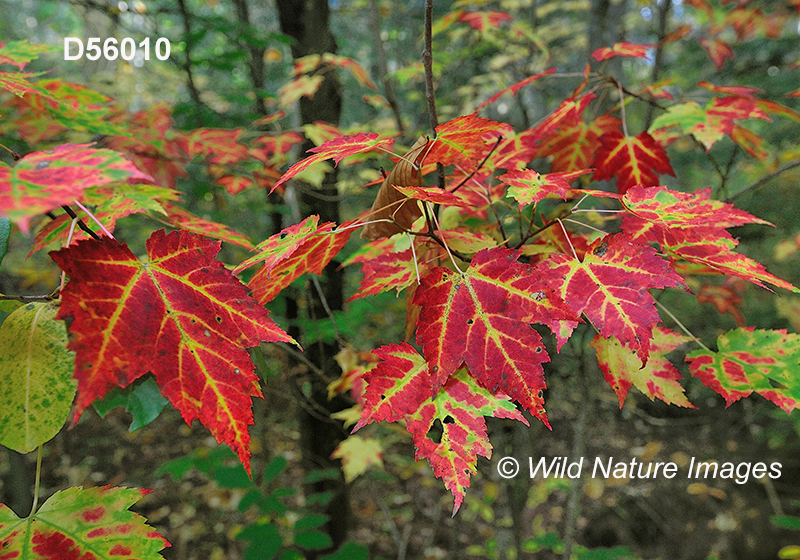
(691, 226)
(181, 218)
(36, 384)
(633, 160)
(387, 271)
(751, 360)
(20, 53)
(527, 186)
(459, 408)
(659, 379)
(298, 249)
(573, 144)
(465, 141)
(610, 286)
(358, 454)
(109, 203)
(42, 181)
(717, 50)
(392, 206)
(483, 317)
(181, 316)
(399, 387)
(78, 523)
(337, 150)
(513, 89)
(484, 20)
(622, 49)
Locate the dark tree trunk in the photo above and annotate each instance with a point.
(307, 22)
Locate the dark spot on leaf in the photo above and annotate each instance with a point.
(601, 250)
(43, 164)
(219, 319)
(449, 420)
(284, 234)
(383, 397)
(539, 394)
(435, 369)
(470, 321)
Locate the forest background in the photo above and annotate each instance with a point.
(242, 97)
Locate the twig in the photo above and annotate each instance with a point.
(765, 179)
(71, 213)
(430, 95)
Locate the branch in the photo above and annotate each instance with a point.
(427, 62)
(765, 179)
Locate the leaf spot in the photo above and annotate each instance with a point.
(236, 370)
(538, 296)
(601, 250)
(448, 420)
(470, 321)
(43, 164)
(207, 333)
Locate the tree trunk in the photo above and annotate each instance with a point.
(307, 22)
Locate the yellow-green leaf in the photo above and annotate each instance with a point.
(36, 384)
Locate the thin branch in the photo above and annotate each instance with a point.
(681, 325)
(765, 179)
(622, 109)
(25, 299)
(71, 213)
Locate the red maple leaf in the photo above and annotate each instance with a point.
(483, 21)
(513, 89)
(483, 317)
(658, 379)
(298, 249)
(42, 181)
(574, 144)
(610, 286)
(465, 141)
(633, 160)
(399, 387)
(622, 49)
(337, 149)
(692, 227)
(386, 271)
(182, 316)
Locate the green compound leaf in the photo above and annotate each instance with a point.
(766, 362)
(76, 523)
(36, 384)
(143, 400)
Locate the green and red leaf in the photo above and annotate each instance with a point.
(659, 379)
(527, 186)
(20, 53)
(181, 316)
(42, 181)
(338, 149)
(750, 360)
(465, 141)
(622, 49)
(288, 257)
(399, 388)
(78, 523)
(386, 271)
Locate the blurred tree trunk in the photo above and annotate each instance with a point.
(307, 22)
